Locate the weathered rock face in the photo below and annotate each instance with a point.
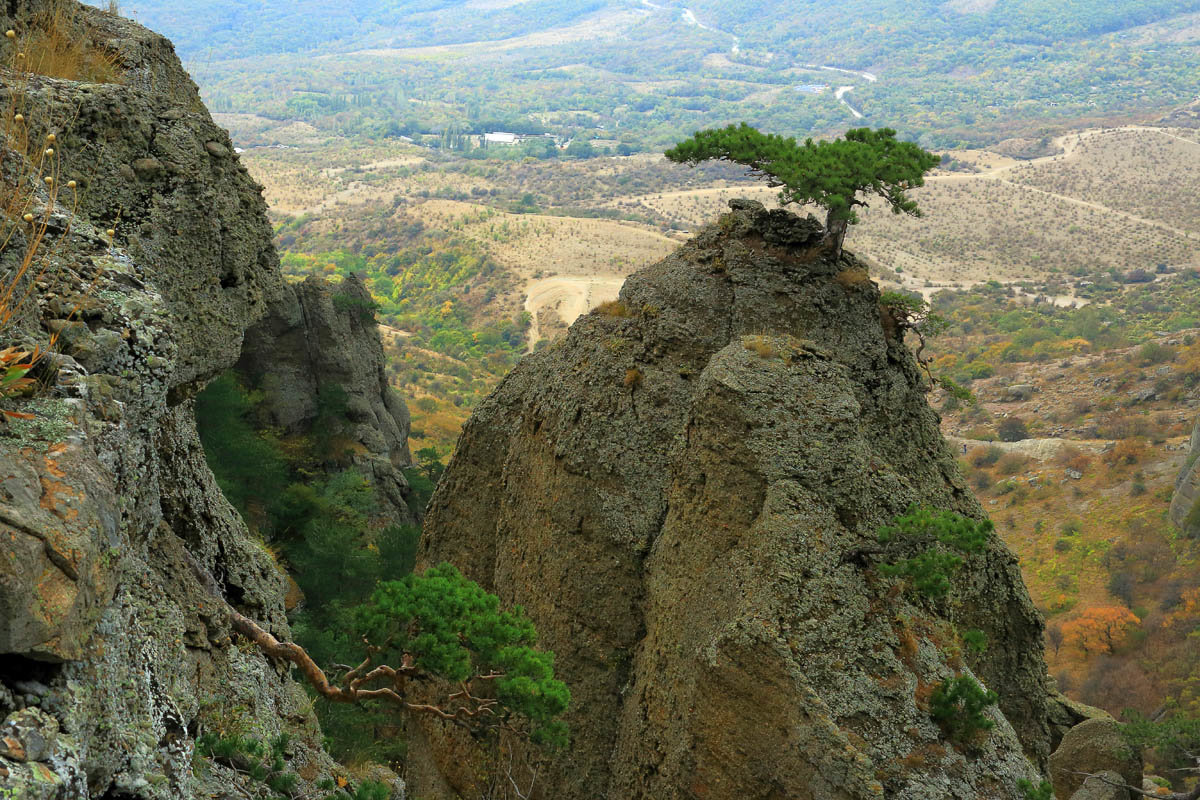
(321, 338)
(1185, 504)
(679, 493)
(1095, 746)
(105, 496)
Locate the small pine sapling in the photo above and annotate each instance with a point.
(1043, 791)
(929, 572)
(957, 705)
(975, 640)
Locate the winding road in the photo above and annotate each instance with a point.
(842, 91)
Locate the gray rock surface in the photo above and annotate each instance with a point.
(1065, 713)
(105, 496)
(317, 337)
(1094, 788)
(1091, 747)
(1017, 392)
(679, 492)
(1185, 503)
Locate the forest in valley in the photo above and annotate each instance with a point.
(636, 75)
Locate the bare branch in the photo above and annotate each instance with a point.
(1194, 794)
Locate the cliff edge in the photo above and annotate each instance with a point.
(681, 492)
(114, 657)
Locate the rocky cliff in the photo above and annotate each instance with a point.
(1185, 503)
(320, 340)
(681, 493)
(113, 657)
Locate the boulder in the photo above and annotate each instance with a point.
(1102, 786)
(1018, 392)
(320, 338)
(1091, 747)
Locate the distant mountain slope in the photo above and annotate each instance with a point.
(956, 71)
(232, 29)
(858, 28)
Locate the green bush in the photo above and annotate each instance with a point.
(266, 765)
(359, 308)
(957, 705)
(975, 640)
(322, 525)
(1012, 429)
(248, 464)
(929, 572)
(986, 456)
(1043, 791)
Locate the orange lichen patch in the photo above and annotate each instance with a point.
(856, 740)
(908, 647)
(43, 772)
(51, 464)
(14, 747)
(56, 494)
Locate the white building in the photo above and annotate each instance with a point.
(500, 138)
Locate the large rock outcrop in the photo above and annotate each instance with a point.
(1185, 503)
(113, 656)
(320, 340)
(683, 494)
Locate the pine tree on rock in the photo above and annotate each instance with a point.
(832, 174)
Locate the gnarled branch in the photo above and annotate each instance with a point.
(470, 712)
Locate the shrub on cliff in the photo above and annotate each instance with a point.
(945, 536)
(957, 705)
(1012, 429)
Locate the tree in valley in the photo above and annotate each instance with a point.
(836, 175)
(1101, 628)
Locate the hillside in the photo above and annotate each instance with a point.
(1082, 497)
(555, 237)
(648, 72)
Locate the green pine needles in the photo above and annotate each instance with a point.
(443, 625)
(947, 536)
(831, 174)
(957, 705)
(443, 632)
(1043, 791)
